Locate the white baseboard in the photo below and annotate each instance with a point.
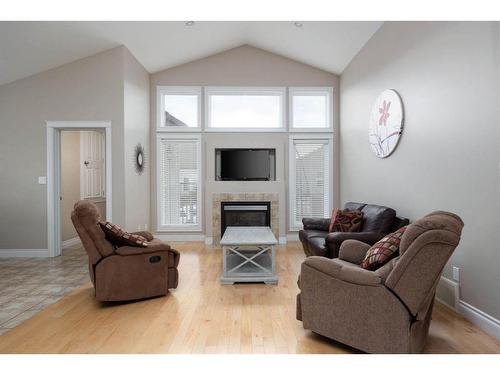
(484, 321)
(448, 293)
(282, 240)
(71, 242)
(292, 237)
(187, 237)
(24, 253)
(209, 240)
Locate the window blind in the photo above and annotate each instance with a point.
(311, 176)
(179, 182)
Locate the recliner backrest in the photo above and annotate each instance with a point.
(425, 247)
(86, 217)
(375, 218)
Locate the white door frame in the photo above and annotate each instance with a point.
(54, 176)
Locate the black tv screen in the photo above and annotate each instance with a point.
(245, 164)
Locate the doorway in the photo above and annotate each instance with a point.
(78, 167)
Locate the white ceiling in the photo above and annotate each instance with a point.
(28, 48)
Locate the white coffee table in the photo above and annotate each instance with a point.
(248, 255)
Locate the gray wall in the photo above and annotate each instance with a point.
(85, 90)
(136, 127)
(243, 66)
(110, 86)
(448, 157)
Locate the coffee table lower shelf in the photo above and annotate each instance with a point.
(244, 265)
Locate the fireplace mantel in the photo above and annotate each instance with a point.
(242, 197)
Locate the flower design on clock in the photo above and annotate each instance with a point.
(386, 123)
(384, 113)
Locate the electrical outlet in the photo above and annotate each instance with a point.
(456, 274)
(146, 226)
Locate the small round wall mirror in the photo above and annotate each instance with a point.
(140, 159)
(386, 123)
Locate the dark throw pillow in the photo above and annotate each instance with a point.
(383, 251)
(118, 237)
(346, 221)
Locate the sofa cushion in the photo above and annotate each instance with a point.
(383, 251)
(377, 218)
(346, 220)
(118, 237)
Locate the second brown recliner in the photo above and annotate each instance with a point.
(384, 311)
(124, 273)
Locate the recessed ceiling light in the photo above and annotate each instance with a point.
(298, 24)
(189, 23)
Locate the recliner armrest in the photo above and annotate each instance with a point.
(331, 268)
(147, 235)
(367, 237)
(334, 239)
(316, 223)
(353, 251)
(152, 247)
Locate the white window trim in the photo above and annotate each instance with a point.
(160, 110)
(310, 91)
(209, 90)
(292, 227)
(180, 228)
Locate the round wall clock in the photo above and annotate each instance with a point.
(386, 123)
(139, 159)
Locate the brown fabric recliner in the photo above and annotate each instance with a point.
(384, 311)
(377, 222)
(125, 273)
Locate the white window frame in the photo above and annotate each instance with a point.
(161, 91)
(292, 226)
(311, 91)
(239, 90)
(176, 227)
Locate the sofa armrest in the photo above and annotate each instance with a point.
(353, 275)
(353, 251)
(316, 223)
(152, 247)
(147, 235)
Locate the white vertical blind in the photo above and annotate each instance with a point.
(311, 177)
(179, 183)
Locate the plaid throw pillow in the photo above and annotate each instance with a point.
(383, 251)
(118, 237)
(346, 221)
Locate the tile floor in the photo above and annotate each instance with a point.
(28, 285)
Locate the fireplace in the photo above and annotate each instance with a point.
(245, 214)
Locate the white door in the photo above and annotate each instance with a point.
(92, 167)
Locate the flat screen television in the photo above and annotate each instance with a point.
(238, 164)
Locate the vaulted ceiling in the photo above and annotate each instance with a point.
(27, 48)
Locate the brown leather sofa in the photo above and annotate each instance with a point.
(384, 311)
(124, 273)
(377, 222)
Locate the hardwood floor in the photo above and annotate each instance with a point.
(202, 316)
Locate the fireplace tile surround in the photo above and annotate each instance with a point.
(243, 197)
